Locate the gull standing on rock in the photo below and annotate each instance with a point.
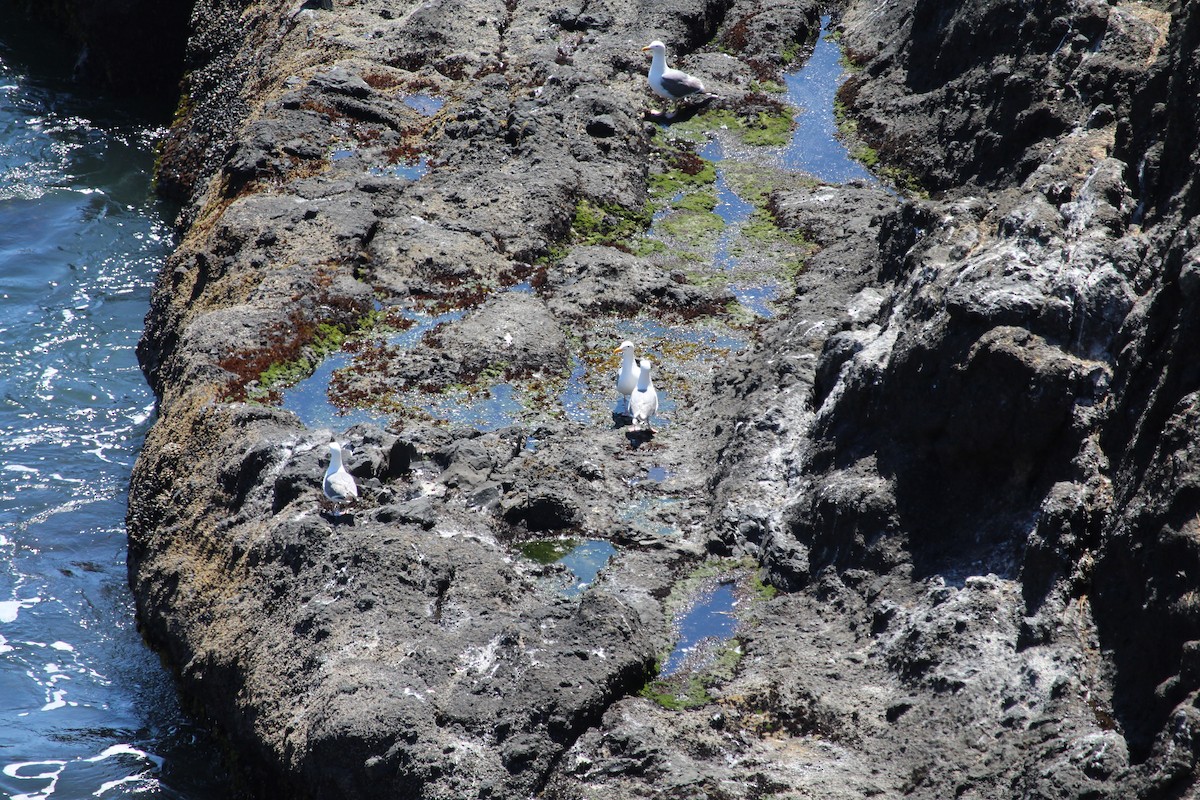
(339, 485)
(627, 378)
(644, 400)
(667, 83)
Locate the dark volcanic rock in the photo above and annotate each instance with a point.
(960, 453)
(131, 47)
(993, 84)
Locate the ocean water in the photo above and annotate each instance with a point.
(86, 710)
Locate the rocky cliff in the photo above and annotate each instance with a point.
(944, 482)
(131, 47)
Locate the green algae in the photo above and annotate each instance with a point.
(646, 247)
(691, 227)
(548, 551)
(678, 695)
(761, 129)
(768, 130)
(738, 314)
(696, 201)
(791, 52)
(762, 590)
(707, 278)
(606, 223)
(767, 87)
(683, 692)
(327, 339)
(676, 178)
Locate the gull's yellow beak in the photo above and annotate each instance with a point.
(616, 349)
(644, 49)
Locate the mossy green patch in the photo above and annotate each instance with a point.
(547, 551)
(284, 373)
(676, 177)
(768, 130)
(754, 183)
(761, 227)
(762, 590)
(738, 314)
(678, 695)
(493, 373)
(645, 246)
(696, 201)
(606, 223)
(906, 182)
(327, 339)
(691, 227)
(865, 154)
(708, 278)
(184, 107)
(741, 570)
(588, 222)
(554, 253)
(690, 258)
(760, 130)
(683, 180)
(792, 269)
(680, 692)
(767, 87)
(714, 119)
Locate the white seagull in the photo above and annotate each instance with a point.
(339, 484)
(667, 83)
(627, 378)
(644, 400)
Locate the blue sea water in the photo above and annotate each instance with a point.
(86, 710)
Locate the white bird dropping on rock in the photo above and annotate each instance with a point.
(339, 485)
(667, 83)
(644, 400)
(627, 378)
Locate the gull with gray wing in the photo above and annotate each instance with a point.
(668, 83)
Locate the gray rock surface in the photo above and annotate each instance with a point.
(959, 450)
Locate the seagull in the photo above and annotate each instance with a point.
(667, 83)
(339, 484)
(627, 378)
(644, 400)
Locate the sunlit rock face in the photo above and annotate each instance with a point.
(942, 476)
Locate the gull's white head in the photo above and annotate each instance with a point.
(626, 348)
(656, 48)
(644, 379)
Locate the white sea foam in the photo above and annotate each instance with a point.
(10, 608)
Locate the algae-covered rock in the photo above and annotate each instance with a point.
(953, 440)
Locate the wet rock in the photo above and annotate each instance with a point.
(511, 328)
(129, 47)
(597, 280)
(958, 454)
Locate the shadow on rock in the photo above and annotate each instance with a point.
(639, 437)
(679, 114)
